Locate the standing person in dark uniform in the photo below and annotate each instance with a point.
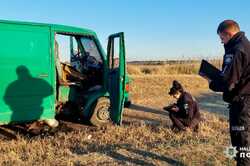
(235, 85)
(185, 113)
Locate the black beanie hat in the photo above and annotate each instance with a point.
(175, 88)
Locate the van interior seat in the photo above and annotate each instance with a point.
(69, 74)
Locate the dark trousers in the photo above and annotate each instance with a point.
(181, 122)
(239, 117)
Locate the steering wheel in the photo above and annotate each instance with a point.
(90, 62)
(76, 57)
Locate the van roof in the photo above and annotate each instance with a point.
(55, 27)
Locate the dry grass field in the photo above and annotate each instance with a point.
(145, 138)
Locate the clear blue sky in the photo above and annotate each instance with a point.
(154, 29)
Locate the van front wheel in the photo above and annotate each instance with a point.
(101, 112)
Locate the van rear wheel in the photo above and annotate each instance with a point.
(101, 112)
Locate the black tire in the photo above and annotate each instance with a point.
(101, 112)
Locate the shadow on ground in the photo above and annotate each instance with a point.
(208, 101)
(148, 115)
(132, 156)
(213, 103)
(10, 132)
(138, 107)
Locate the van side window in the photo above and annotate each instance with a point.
(63, 44)
(78, 60)
(114, 58)
(68, 51)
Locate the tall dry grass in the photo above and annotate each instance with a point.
(176, 67)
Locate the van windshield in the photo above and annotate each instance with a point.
(90, 49)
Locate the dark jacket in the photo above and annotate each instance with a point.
(235, 69)
(188, 107)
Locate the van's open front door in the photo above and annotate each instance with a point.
(117, 73)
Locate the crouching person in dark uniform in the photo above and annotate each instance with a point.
(235, 85)
(185, 113)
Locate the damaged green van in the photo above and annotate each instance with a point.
(48, 70)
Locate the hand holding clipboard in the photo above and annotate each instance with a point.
(210, 72)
